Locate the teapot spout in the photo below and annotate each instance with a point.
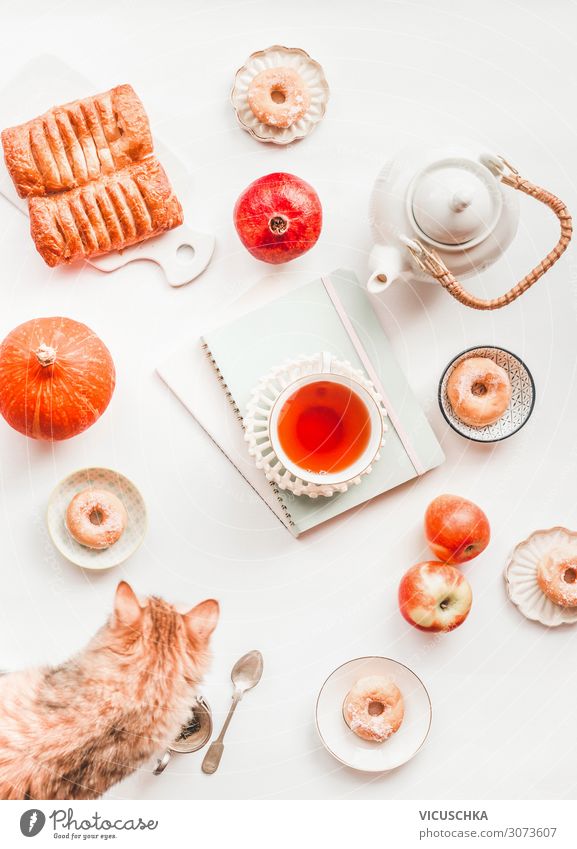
(385, 265)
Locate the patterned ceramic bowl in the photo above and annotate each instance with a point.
(97, 478)
(522, 396)
(521, 577)
(310, 71)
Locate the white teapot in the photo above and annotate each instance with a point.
(447, 207)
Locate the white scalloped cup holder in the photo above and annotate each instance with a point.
(368, 455)
(261, 424)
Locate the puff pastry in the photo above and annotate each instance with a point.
(110, 213)
(71, 145)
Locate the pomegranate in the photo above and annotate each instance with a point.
(278, 217)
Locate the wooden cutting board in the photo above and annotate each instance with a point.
(182, 253)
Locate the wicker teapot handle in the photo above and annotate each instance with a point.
(430, 262)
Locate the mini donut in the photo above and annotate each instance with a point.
(557, 576)
(374, 708)
(96, 518)
(479, 391)
(290, 91)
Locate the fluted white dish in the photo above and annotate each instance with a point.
(521, 577)
(274, 57)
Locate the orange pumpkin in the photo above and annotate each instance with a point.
(56, 378)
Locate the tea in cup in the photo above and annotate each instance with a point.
(326, 428)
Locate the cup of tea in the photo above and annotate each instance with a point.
(326, 428)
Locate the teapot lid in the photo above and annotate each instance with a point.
(455, 202)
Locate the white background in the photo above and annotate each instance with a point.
(503, 689)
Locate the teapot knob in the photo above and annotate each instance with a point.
(461, 200)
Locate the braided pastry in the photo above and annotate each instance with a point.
(111, 213)
(80, 141)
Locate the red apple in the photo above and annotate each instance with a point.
(434, 596)
(456, 529)
(278, 217)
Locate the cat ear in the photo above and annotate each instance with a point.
(127, 609)
(202, 620)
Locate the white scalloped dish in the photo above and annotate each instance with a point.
(274, 57)
(521, 577)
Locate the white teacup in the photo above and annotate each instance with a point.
(371, 450)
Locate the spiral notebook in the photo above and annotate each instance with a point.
(214, 377)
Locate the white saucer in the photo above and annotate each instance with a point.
(89, 558)
(351, 750)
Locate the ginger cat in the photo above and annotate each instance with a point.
(73, 731)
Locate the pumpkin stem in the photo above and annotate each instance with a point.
(45, 354)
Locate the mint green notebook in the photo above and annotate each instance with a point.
(310, 319)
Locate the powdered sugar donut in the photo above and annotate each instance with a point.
(557, 576)
(374, 708)
(96, 518)
(479, 391)
(278, 97)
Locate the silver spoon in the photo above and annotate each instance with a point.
(246, 673)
